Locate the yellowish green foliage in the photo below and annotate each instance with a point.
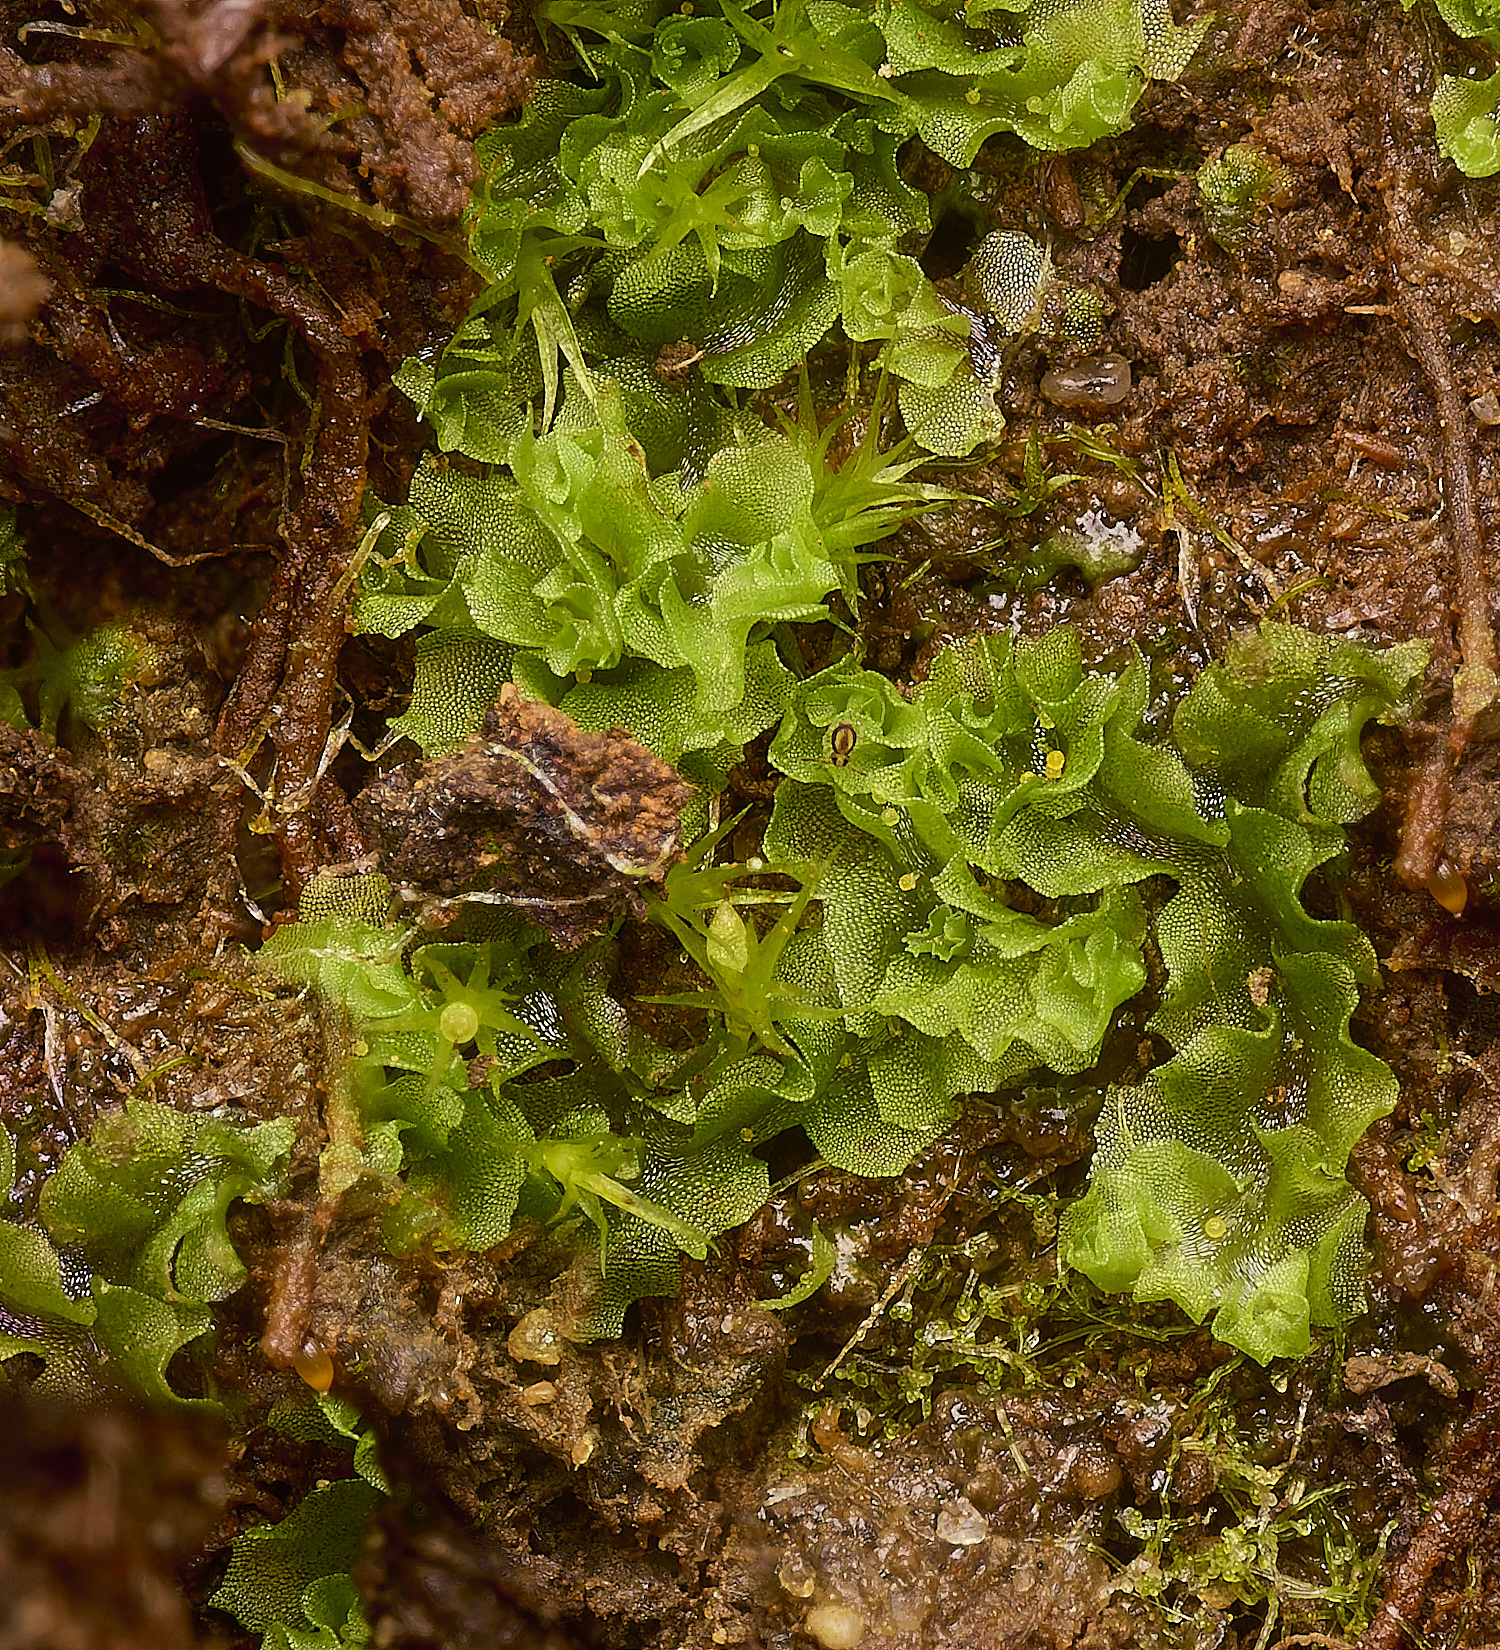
(139, 1212)
(624, 595)
(727, 189)
(289, 1580)
(981, 853)
(1218, 1180)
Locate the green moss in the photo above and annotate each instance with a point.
(91, 677)
(289, 1580)
(1466, 111)
(1466, 115)
(1234, 186)
(1218, 1181)
(979, 854)
(626, 596)
(729, 190)
(1254, 1543)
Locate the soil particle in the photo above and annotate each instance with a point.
(537, 810)
(953, 1536)
(428, 1585)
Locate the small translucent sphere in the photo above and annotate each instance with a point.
(835, 1626)
(459, 1023)
(315, 1367)
(1448, 888)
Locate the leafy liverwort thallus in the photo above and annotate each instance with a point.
(1218, 1180)
(1466, 112)
(913, 821)
(600, 571)
(958, 885)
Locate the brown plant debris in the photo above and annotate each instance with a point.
(536, 812)
(99, 1515)
(1472, 1472)
(23, 290)
(1420, 863)
(382, 95)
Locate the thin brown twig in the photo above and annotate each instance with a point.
(1475, 682)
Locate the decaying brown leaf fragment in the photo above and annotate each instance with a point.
(535, 812)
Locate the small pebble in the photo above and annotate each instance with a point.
(835, 1626)
(1098, 382)
(535, 1339)
(961, 1524)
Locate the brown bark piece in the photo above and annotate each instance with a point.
(536, 812)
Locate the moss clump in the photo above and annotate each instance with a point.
(139, 1210)
(1234, 186)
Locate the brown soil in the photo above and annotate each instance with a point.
(194, 394)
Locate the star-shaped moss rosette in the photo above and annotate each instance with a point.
(1014, 772)
(458, 1136)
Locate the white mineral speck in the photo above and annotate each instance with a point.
(1099, 532)
(962, 1524)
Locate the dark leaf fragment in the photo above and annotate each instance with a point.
(536, 812)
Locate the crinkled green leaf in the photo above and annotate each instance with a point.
(1218, 1181)
(1466, 114)
(957, 415)
(580, 564)
(1076, 75)
(31, 1283)
(326, 1418)
(1466, 110)
(273, 1568)
(141, 1207)
(355, 962)
(710, 1179)
(457, 676)
(337, 1622)
(144, 1199)
(138, 1335)
(717, 191)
